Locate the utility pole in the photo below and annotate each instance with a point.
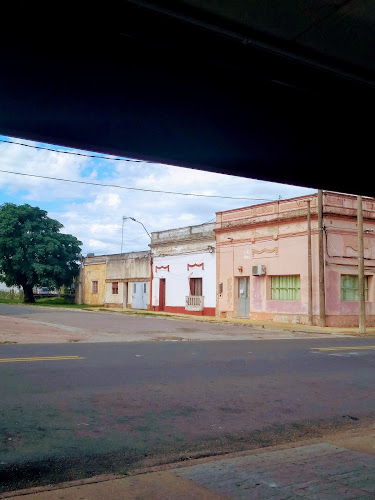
(322, 298)
(122, 231)
(151, 257)
(361, 270)
(309, 266)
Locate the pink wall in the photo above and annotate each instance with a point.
(275, 236)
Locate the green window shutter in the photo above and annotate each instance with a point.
(285, 287)
(349, 287)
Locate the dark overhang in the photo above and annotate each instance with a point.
(280, 91)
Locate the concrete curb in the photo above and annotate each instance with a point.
(340, 436)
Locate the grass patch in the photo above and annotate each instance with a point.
(58, 302)
(10, 297)
(4, 300)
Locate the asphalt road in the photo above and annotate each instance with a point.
(96, 408)
(46, 323)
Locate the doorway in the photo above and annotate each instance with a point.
(243, 298)
(139, 299)
(162, 294)
(125, 295)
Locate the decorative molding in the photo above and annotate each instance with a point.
(161, 267)
(261, 251)
(196, 265)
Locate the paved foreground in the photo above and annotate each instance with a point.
(71, 411)
(340, 467)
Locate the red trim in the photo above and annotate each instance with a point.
(161, 267)
(207, 311)
(196, 265)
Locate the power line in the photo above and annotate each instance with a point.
(132, 188)
(74, 153)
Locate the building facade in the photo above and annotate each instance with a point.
(262, 260)
(119, 280)
(184, 270)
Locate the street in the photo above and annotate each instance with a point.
(74, 410)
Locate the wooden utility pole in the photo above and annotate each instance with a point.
(309, 266)
(322, 297)
(361, 270)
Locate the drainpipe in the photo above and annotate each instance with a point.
(309, 266)
(361, 269)
(151, 278)
(322, 296)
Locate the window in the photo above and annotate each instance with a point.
(115, 287)
(196, 286)
(144, 287)
(285, 288)
(94, 287)
(349, 287)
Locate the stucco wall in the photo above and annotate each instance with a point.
(181, 254)
(94, 272)
(128, 266)
(275, 235)
(177, 278)
(126, 269)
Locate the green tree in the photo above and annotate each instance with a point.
(33, 251)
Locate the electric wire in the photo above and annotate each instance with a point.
(117, 186)
(74, 153)
(113, 185)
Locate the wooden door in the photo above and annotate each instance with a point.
(162, 294)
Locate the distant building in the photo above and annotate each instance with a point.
(119, 280)
(184, 270)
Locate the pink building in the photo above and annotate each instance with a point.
(262, 260)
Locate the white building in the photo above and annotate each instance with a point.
(184, 270)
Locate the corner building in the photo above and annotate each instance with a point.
(262, 260)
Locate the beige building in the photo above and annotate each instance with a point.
(119, 280)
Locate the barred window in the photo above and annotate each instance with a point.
(94, 286)
(349, 287)
(285, 287)
(115, 287)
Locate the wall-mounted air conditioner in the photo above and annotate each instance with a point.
(259, 270)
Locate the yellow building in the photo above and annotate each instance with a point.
(93, 283)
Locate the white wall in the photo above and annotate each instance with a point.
(177, 279)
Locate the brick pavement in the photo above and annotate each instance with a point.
(314, 470)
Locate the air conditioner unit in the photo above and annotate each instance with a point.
(259, 270)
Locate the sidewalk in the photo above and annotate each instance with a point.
(258, 324)
(340, 466)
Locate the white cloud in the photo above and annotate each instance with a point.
(94, 214)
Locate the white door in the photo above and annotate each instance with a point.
(139, 295)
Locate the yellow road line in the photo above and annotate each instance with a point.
(40, 358)
(350, 348)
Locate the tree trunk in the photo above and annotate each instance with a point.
(28, 294)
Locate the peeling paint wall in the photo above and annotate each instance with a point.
(94, 272)
(275, 235)
(124, 269)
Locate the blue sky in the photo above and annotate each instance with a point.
(94, 214)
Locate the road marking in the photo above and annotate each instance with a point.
(40, 358)
(350, 348)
